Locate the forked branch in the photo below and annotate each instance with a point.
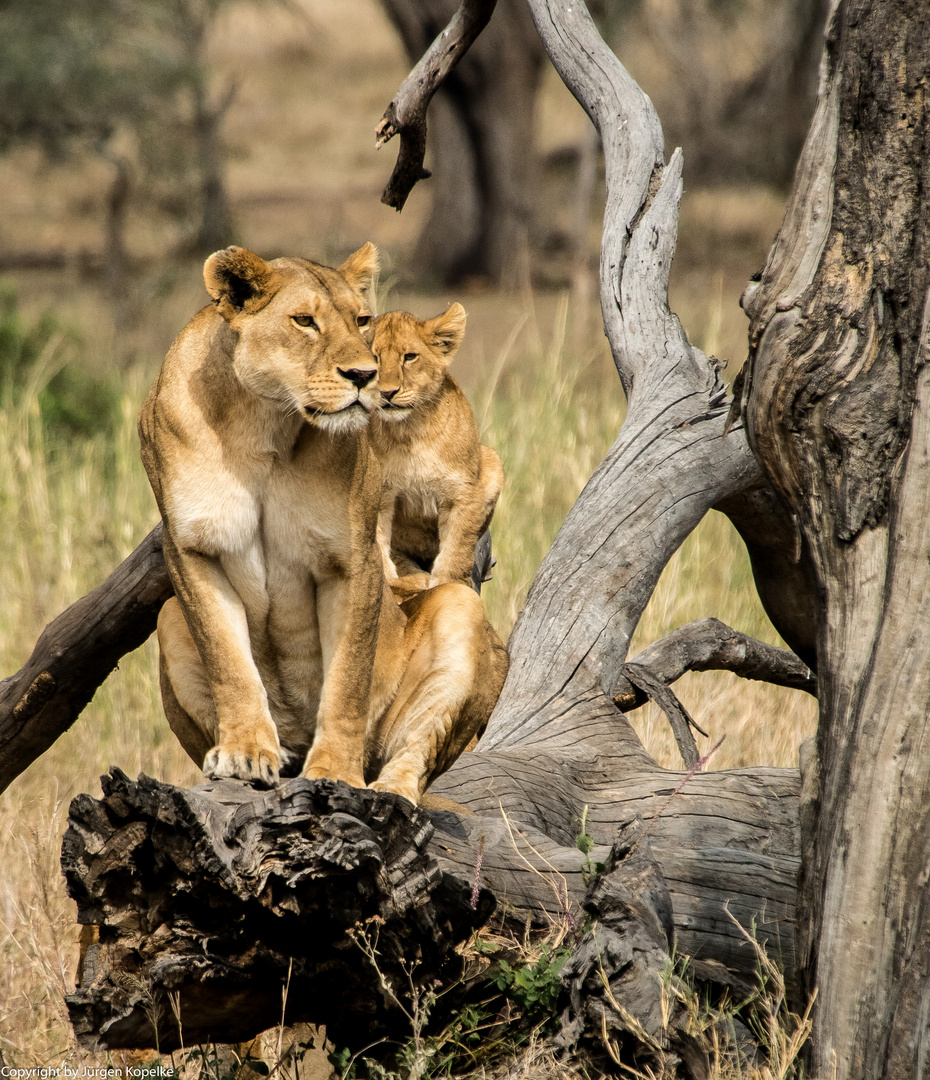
(710, 645)
(703, 645)
(406, 115)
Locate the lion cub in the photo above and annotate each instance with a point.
(440, 483)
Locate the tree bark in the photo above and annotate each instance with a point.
(221, 896)
(836, 402)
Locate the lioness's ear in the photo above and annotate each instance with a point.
(447, 330)
(361, 266)
(237, 279)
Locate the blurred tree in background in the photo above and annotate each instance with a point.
(128, 81)
(740, 78)
(482, 143)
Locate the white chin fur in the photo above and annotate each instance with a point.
(353, 418)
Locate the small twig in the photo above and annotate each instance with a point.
(667, 700)
(476, 886)
(697, 767)
(406, 115)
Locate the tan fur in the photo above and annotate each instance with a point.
(440, 484)
(284, 645)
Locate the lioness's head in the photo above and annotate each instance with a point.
(303, 332)
(413, 356)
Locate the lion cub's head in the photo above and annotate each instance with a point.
(303, 332)
(413, 356)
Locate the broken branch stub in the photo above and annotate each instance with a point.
(406, 114)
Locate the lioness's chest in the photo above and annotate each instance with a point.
(304, 524)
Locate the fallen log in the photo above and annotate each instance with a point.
(222, 910)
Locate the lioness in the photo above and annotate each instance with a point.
(440, 484)
(284, 642)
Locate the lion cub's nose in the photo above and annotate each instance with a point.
(358, 376)
(388, 394)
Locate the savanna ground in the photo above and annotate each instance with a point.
(305, 180)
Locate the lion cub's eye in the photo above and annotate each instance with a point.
(305, 320)
(362, 321)
(409, 357)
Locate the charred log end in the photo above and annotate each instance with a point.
(222, 910)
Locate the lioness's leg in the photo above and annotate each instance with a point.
(453, 677)
(348, 612)
(185, 690)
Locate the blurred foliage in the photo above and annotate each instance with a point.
(39, 361)
(74, 69)
(127, 80)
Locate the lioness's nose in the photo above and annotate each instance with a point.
(358, 376)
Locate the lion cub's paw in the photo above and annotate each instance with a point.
(251, 763)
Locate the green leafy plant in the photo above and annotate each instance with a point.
(534, 987)
(584, 841)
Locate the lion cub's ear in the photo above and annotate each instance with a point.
(361, 266)
(238, 280)
(446, 330)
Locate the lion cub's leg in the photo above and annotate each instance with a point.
(462, 523)
(453, 678)
(385, 528)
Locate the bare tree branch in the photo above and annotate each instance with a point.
(406, 115)
(711, 645)
(650, 687)
(76, 652)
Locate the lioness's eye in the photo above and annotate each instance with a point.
(409, 357)
(305, 320)
(363, 321)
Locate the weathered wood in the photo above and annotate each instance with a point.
(614, 979)
(836, 401)
(214, 902)
(710, 645)
(406, 114)
(76, 652)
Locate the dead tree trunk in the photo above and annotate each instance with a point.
(836, 403)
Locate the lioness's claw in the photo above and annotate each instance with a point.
(259, 766)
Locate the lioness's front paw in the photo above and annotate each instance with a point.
(242, 763)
